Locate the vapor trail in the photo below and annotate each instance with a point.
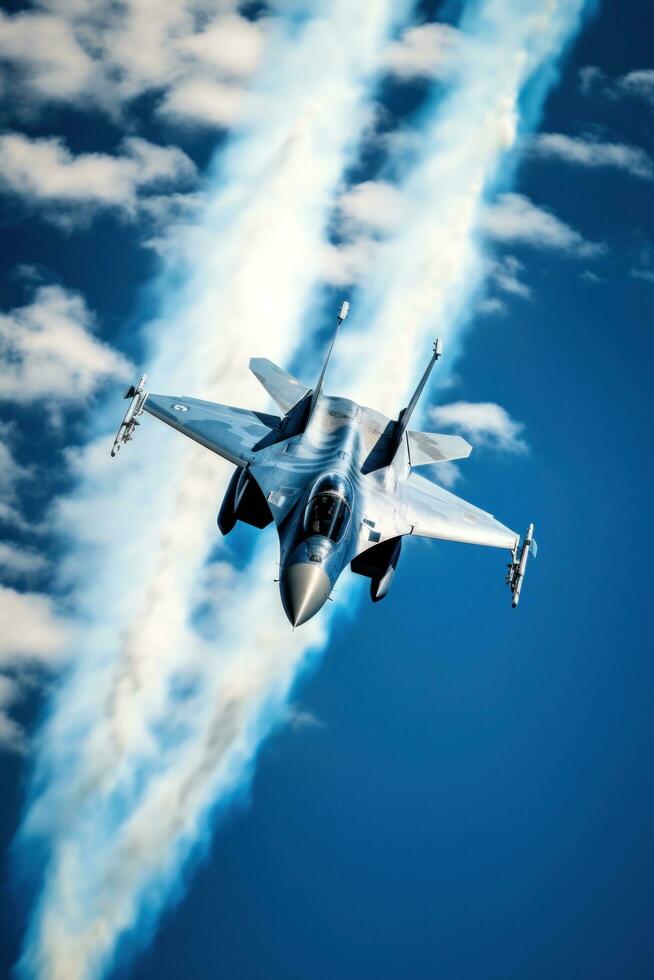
(422, 280)
(156, 725)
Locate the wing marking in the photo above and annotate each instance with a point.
(233, 433)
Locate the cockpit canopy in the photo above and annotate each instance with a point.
(328, 510)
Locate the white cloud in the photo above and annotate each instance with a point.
(11, 474)
(426, 51)
(505, 273)
(11, 516)
(646, 275)
(18, 562)
(365, 212)
(11, 471)
(342, 265)
(12, 736)
(44, 171)
(300, 719)
(637, 84)
(203, 101)
(514, 218)
(234, 45)
(106, 54)
(36, 634)
(47, 350)
(373, 205)
(487, 424)
(447, 473)
(589, 77)
(44, 48)
(586, 151)
(491, 306)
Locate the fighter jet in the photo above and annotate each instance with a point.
(337, 479)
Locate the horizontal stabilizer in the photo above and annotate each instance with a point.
(285, 390)
(433, 447)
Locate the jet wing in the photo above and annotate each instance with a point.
(435, 513)
(234, 433)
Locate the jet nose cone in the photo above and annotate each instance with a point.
(305, 588)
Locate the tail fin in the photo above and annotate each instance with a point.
(406, 413)
(317, 391)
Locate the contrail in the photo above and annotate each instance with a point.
(422, 280)
(154, 726)
(183, 667)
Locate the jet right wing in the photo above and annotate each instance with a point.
(435, 513)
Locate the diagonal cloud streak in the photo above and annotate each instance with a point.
(423, 278)
(154, 726)
(182, 666)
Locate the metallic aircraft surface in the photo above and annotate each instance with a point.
(336, 478)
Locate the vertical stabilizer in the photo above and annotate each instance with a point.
(407, 412)
(317, 391)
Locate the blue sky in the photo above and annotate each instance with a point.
(457, 789)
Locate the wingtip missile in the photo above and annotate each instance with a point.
(518, 564)
(138, 396)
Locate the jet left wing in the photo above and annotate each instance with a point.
(435, 513)
(233, 433)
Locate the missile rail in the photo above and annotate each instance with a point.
(125, 433)
(517, 567)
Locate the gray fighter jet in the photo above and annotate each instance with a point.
(336, 478)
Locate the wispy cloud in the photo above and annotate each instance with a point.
(487, 424)
(425, 51)
(646, 275)
(37, 638)
(48, 351)
(504, 271)
(587, 151)
(12, 735)
(635, 84)
(516, 219)
(643, 266)
(105, 56)
(12, 474)
(374, 205)
(203, 102)
(491, 306)
(43, 171)
(639, 84)
(38, 634)
(18, 563)
(300, 719)
(43, 46)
